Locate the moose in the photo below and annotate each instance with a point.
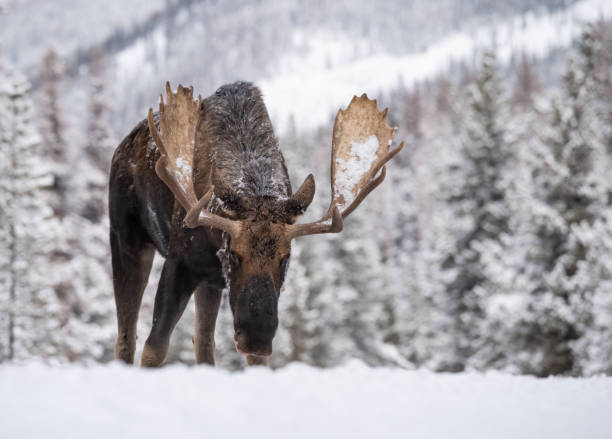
(205, 184)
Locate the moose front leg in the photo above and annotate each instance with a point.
(207, 300)
(175, 288)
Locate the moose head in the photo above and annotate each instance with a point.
(257, 232)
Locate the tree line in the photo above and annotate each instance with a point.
(487, 248)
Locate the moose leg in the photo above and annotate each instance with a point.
(174, 290)
(131, 267)
(207, 302)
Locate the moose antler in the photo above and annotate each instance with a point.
(176, 141)
(360, 148)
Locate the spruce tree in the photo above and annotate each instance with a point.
(477, 194)
(91, 320)
(52, 129)
(568, 258)
(31, 309)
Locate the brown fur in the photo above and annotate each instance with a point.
(207, 303)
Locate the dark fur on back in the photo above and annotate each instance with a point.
(247, 164)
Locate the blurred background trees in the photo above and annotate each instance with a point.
(488, 247)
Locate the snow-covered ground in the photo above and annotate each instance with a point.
(296, 402)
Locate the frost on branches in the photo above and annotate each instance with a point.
(478, 196)
(570, 226)
(30, 311)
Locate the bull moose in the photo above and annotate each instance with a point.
(205, 184)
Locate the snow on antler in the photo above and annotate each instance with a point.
(360, 148)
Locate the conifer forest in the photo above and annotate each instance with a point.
(487, 247)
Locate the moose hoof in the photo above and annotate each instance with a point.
(256, 360)
(153, 356)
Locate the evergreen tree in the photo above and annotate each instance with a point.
(52, 129)
(595, 51)
(413, 112)
(443, 95)
(99, 146)
(27, 232)
(91, 320)
(527, 84)
(82, 261)
(478, 198)
(567, 263)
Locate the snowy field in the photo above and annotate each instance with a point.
(296, 402)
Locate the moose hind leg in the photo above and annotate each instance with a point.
(173, 292)
(207, 302)
(131, 267)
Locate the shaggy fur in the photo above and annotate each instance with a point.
(248, 167)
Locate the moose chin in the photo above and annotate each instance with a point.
(204, 183)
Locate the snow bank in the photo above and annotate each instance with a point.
(296, 402)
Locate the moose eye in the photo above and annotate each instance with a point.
(284, 265)
(234, 259)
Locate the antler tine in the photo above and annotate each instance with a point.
(324, 225)
(199, 216)
(174, 165)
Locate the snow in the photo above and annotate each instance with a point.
(312, 86)
(349, 173)
(184, 169)
(296, 402)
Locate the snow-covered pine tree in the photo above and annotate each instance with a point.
(595, 51)
(593, 350)
(443, 94)
(527, 84)
(91, 326)
(99, 144)
(52, 129)
(569, 223)
(413, 112)
(420, 221)
(478, 199)
(364, 287)
(30, 308)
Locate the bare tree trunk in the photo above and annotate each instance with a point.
(12, 292)
(12, 261)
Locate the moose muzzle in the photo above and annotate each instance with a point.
(256, 317)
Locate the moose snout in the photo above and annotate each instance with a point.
(256, 318)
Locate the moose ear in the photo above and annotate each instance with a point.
(301, 199)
